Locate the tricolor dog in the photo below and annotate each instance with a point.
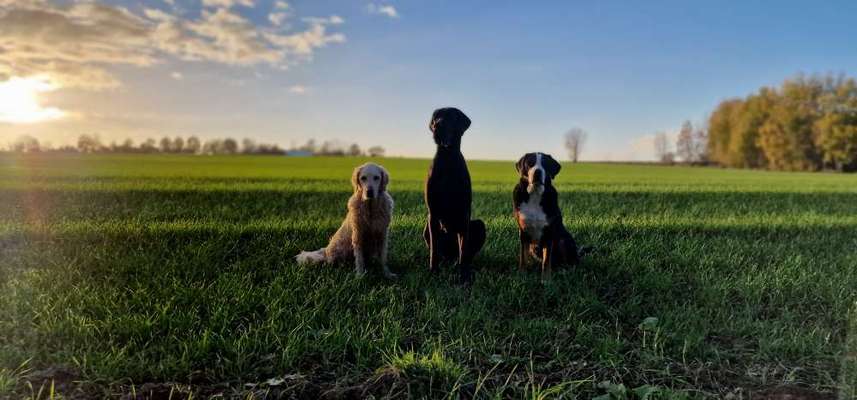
(539, 218)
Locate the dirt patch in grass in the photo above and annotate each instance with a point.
(790, 393)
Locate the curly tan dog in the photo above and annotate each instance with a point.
(365, 231)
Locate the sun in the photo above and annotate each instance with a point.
(19, 101)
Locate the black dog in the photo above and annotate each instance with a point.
(542, 232)
(450, 233)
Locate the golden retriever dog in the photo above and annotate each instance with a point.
(365, 232)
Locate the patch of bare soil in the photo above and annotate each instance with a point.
(790, 393)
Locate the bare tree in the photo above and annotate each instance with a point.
(26, 144)
(248, 146)
(354, 150)
(575, 138)
(230, 146)
(165, 144)
(662, 148)
(376, 151)
(700, 144)
(684, 145)
(178, 145)
(148, 146)
(89, 143)
(193, 145)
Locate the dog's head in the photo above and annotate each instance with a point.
(370, 180)
(447, 126)
(538, 169)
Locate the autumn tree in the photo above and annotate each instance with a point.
(786, 137)
(575, 138)
(836, 131)
(804, 124)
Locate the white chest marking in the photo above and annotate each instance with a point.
(532, 216)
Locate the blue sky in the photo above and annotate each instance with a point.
(523, 72)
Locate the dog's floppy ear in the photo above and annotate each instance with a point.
(463, 121)
(452, 117)
(385, 179)
(355, 178)
(550, 165)
(434, 119)
(521, 164)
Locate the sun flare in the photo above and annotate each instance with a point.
(19, 101)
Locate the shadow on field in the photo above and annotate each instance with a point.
(231, 305)
(307, 204)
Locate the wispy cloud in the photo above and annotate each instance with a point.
(75, 45)
(277, 18)
(227, 3)
(383, 9)
(177, 75)
(298, 89)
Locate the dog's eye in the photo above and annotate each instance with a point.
(375, 178)
(363, 178)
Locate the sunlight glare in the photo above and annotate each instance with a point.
(19, 102)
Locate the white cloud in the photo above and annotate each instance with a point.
(332, 20)
(74, 45)
(177, 75)
(281, 5)
(385, 9)
(643, 147)
(277, 18)
(227, 3)
(304, 43)
(298, 89)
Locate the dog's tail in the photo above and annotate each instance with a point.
(310, 257)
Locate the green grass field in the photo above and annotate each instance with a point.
(149, 274)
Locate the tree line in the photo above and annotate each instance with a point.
(192, 145)
(690, 146)
(806, 124)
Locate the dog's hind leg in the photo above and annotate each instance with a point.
(548, 253)
(387, 273)
(311, 257)
(523, 251)
(568, 252)
(445, 244)
(432, 234)
(469, 243)
(476, 238)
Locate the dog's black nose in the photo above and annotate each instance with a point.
(537, 175)
(370, 193)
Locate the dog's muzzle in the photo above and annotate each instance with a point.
(370, 194)
(538, 177)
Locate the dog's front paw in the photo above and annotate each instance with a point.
(389, 274)
(466, 275)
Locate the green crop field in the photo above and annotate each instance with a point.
(174, 275)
